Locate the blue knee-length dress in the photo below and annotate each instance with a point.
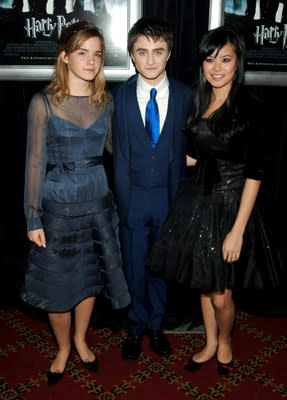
(67, 194)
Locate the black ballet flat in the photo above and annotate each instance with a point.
(192, 366)
(55, 377)
(92, 366)
(224, 369)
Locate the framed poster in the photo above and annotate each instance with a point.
(263, 24)
(29, 31)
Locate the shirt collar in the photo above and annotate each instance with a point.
(144, 87)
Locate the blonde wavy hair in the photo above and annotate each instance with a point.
(72, 38)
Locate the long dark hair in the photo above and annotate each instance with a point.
(224, 120)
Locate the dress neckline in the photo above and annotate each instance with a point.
(73, 95)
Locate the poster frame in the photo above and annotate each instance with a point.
(45, 72)
(257, 77)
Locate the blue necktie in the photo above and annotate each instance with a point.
(152, 118)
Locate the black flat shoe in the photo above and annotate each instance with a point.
(192, 366)
(159, 343)
(55, 377)
(131, 348)
(224, 369)
(92, 366)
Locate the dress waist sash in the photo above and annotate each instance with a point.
(69, 166)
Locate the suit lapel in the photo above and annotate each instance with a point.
(167, 128)
(168, 131)
(173, 115)
(133, 109)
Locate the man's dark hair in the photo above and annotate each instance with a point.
(151, 27)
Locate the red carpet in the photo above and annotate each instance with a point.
(259, 345)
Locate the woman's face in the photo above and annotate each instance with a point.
(85, 62)
(219, 68)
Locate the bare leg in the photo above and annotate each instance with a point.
(210, 325)
(61, 325)
(83, 312)
(224, 311)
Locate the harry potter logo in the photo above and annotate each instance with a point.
(271, 34)
(46, 26)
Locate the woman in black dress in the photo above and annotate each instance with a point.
(214, 236)
(71, 216)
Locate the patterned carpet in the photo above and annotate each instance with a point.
(27, 346)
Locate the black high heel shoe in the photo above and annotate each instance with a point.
(224, 369)
(92, 366)
(55, 377)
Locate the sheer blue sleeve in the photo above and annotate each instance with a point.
(36, 161)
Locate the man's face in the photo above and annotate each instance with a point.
(150, 58)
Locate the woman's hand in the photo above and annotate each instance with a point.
(190, 162)
(232, 245)
(38, 237)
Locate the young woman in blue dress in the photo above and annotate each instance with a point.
(71, 216)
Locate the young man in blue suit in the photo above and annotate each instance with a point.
(149, 163)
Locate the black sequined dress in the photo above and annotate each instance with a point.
(189, 247)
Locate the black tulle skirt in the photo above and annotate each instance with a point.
(189, 247)
(82, 257)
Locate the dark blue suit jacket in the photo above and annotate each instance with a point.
(134, 158)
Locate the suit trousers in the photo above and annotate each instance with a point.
(147, 212)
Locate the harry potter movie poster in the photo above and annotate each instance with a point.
(264, 26)
(29, 29)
